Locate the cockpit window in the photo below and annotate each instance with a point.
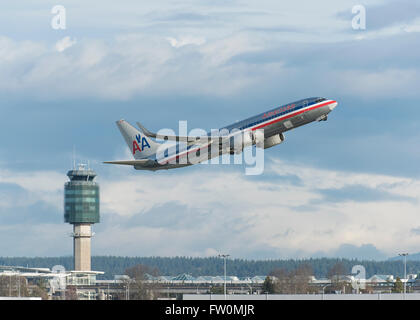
(319, 100)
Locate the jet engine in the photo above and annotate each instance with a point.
(273, 140)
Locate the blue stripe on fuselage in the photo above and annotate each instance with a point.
(252, 121)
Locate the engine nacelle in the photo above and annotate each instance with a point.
(273, 140)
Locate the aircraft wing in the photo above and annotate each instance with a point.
(141, 162)
(189, 139)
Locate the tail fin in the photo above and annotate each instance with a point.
(140, 145)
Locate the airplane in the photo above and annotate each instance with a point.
(264, 130)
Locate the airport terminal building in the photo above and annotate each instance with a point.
(59, 284)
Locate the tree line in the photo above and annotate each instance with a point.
(213, 266)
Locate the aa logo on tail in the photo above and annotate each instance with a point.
(140, 140)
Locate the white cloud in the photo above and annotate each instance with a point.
(44, 186)
(286, 213)
(413, 27)
(129, 65)
(29, 240)
(64, 44)
(390, 31)
(186, 40)
(277, 215)
(377, 83)
(13, 52)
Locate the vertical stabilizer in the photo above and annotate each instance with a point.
(140, 145)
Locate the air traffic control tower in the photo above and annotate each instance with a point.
(81, 209)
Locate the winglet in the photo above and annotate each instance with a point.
(145, 131)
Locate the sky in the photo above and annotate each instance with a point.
(346, 187)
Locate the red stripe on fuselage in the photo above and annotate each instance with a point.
(292, 115)
(255, 128)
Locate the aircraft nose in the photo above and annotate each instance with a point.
(333, 105)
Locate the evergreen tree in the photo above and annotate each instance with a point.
(398, 286)
(268, 285)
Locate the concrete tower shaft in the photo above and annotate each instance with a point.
(82, 234)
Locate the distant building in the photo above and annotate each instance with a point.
(84, 285)
(58, 282)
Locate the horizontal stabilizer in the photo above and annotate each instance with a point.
(165, 137)
(145, 131)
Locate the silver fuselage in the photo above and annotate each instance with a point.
(273, 122)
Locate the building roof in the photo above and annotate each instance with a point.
(381, 278)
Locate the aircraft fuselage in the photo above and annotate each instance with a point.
(151, 155)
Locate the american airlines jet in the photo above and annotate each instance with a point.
(263, 130)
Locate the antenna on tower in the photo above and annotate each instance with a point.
(74, 157)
